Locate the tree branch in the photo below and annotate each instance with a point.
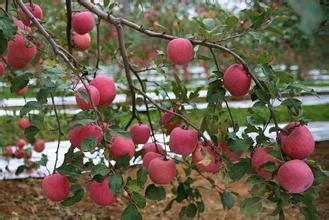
(69, 24)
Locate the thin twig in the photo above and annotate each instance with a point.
(69, 24)
(58, 129)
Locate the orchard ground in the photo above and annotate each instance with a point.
(24, 198)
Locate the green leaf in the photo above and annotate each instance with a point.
(238, 170)
(131, 213)
(133, 186)
(19, 82)
(69, 171)
(77, 196)
(3, 43)
(43, 161)
(227, 199)
(191, 210)
(200, 206)
(142, 176)
(99, 169)
(239, 145)
(29, 106)
(231, 21)
(153, 192)
(251, 206)
(139, 200)
(122, 162)
(8, 27)
(88, 144)
(30, 132)
(20, 170)
(115, 183)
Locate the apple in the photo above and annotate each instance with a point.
(106, 88)
(122, 146)
(169, 121)
(20, 143)
(24, 123)
(148, 157)
(152, 147)
(94, 94)
(140, 133)
(39, 145)
(182, 141)
(2, 69)
(260, 157)
(20, 52)
(106, 126)
(298, 142)
(162, 171)
(20, 25)
(19, 153)
(180, 51)
(83, 22)
(231, 155)
(8, 151)
(100, 193)
(35, 10)
(23, 91)
(205, 159)
(295, 176)
(78, 134)
(81, 42)
(56, 187)
(236, 80)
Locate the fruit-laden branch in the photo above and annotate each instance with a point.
(115, 20)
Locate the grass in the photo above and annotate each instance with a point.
(9, 130)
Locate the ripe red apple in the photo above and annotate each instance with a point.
(78, 134)
(19, 55)
(23, 91)
(236, 80)
(83, 22)
(35, 10)
(169, 121)
(8, 151)
(148, 157)
(180, 51)
(106, 88)
(100, 193)
(39, 145)
(260, 157)
(24, 123)
(205, 159)
(2, 69)
(20, 143)
(182, 141)
(298, 142)
(231, 155)
(19, 154)
(152, 147)
(94, 96)
(81, 42)
(140, 133)
(22, 26)
(122, 146)
(56, 187)
(162, 171)
(295, 176)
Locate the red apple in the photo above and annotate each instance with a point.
(260, 157)
(236, 80)
(20, 143)
(169, 121)
(78, 134)
(298, 142)
(100, 193)
(19, 52)
(122, 146)
(81, 42)
(162, 171)
(94, 96)
(35, 10)
(182, 141)
(106, 88)
(22, 26)
(148, 157)
(19, 154)
(140, 133)
(205, 159)
(83, 22)
(180, 51)
(56, 187)
(23, 91)
(295, 176)
(24, 123)
(8, 151)
(152, 147)
(39, 145)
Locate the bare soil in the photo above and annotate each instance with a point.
(23, 199)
